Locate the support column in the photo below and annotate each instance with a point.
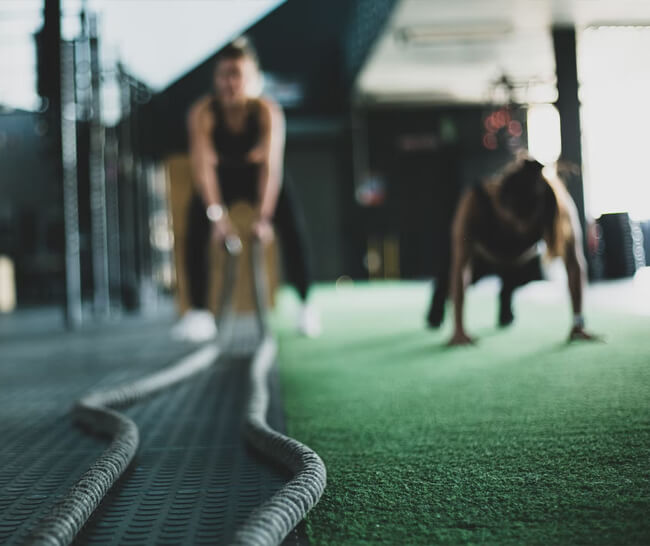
(568, 105)
(57, 86)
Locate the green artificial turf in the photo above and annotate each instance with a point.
(522, 439)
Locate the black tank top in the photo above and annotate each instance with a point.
(238, 178)
(499, 239)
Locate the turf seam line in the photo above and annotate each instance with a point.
(96, 412)
(271, 522)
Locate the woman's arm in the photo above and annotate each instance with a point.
(203, 156)
(460, 266)
(269, 153)
(576, 268)
(203, 163)
(574, 261)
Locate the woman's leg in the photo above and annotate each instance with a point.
(436, 312)
(196, 253)
(198, 323)
(290, 228)
(513, 278)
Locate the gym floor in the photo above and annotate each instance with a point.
(193, 480)
(520, 439)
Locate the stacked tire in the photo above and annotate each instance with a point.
(621, 245)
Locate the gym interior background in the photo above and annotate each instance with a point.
(388, 120)
(393, 108)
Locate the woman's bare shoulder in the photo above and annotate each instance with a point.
(201, 110)
(268, 106)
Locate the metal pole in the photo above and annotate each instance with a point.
(57, 85)
(568, 105)
(74, 311)
(113, 217)
(97, 180)
(128, 264)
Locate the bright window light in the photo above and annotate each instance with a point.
(19, 20)
(544, 142)
(158, 41)
(614, 89)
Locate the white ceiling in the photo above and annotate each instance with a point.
(157, 40)
(452, 51)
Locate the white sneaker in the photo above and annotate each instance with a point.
(196, 325)
(309, 321)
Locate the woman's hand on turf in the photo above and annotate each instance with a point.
(579, 333)
(263, 230)
(460, 338)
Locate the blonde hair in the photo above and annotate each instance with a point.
(242, 48)
(562, 230)
(559, 227)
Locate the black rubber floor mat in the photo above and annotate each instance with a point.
(193, 480)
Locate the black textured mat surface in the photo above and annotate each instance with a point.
(193, 480)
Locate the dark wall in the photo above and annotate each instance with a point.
(317, 171)
(428, 156)
(25, 159)
(31, 207)
(318, 45)
(301, 40)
